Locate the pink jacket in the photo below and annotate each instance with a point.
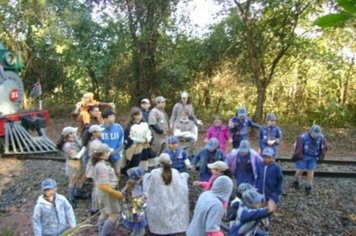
(222, 134)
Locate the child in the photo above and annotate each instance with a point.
(270, 135)
(217, 168)
(187, 132)
(220, 131)
(134, 202)
(249, 214)
(86, 102)
(209, 154)
(178, 155)
(53, 214)
(269, 177)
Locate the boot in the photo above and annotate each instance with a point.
(296, 184)
(308, 189)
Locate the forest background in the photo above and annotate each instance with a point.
(266, 55)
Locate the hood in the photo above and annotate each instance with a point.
(43, 201)
(222, 187)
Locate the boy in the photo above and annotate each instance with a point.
(270, 135)
(177, 154)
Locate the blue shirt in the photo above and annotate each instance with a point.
(113, 136)
(244, 170)
(203, 158)
(177, 158)
(266, 133)
(269, 181)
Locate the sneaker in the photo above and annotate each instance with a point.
(308, 190)
(296, 184)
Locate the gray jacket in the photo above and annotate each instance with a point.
(52, 218)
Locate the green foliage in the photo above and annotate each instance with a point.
(345, 15)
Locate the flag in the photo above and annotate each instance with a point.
(36, 90)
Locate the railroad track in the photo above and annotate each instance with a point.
(287, 172)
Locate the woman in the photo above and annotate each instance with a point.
(137, 138)
(184, 103)
(105, 182)
(167, 207)
(69, 144)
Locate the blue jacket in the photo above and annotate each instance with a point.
(52, 219)
(177, 158)
(247, 220)
(240, 129)
(312, 147)
(113, 136)
(266, 133)
(203, 158)
(270, 181)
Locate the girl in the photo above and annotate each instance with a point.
(220, 131)
(69, 144)
(52, 214)
(105, 182)
(168, 204)
(134, 202)
(137, 138)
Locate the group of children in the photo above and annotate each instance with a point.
(105, 150)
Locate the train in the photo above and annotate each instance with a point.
(22, 131)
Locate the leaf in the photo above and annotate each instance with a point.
(347, 5)
(332, 20)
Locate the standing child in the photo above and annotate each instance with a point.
(220, 131)
(52, 214)
(269, 177)
(134, 202)
(179, 159)
(270, 135)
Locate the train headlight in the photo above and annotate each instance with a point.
(10, 58)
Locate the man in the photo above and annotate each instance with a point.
(243, 163)
(113, 136)
(209, 209)
(145, 108)
(158, 122)
(270, 135)
(309, 147)
(239, 127)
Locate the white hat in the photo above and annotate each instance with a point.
(184, 94)
(218, 165)
(69, 130)
(95, 128)
(145, 100)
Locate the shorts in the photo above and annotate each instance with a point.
(309, 164)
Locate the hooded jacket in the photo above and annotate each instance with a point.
(209, 208)
(52, 218)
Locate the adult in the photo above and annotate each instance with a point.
(239, 127)
(309, 147)
(113, 136)
(52, 214)
(209, 154)
(158, 122)
(69, 144)
(106, 182)
(145, 108)
(137, 138)
(243, 163)
(209, 209)
(167, 208)
(184, 103)
(269, 135)
(187, 132)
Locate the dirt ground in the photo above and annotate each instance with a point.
(14, 173)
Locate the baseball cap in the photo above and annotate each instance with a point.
(244, 146)
(160, 99)
(95, 128)
(68, 130)
(242, 111)
(145, 100)
(271, 116)
(218, 165)
(268, 152)
(184, 94)
(244, 187)
(212, 144)
(48, 184)
(172, 139)
(315, 129)
(135, 172)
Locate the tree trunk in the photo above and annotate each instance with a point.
(261, 97)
